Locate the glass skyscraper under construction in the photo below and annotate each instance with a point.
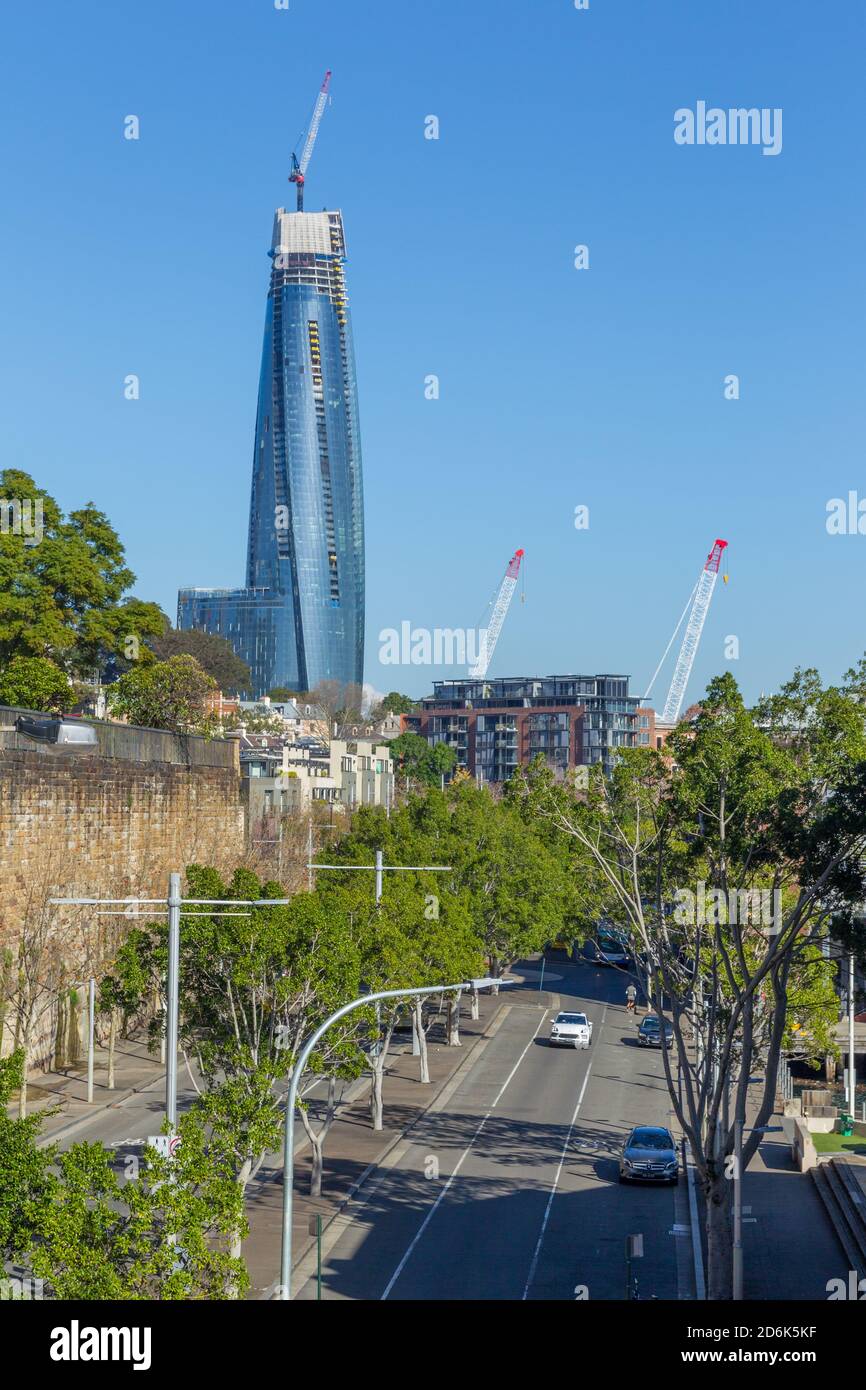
(300, 619)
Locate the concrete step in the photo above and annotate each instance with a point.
(855, 1196)
(842, 1213)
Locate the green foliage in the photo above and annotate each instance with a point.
(214, 655)
(394, 703)
(162, 1235)
(254, 721)
(415, 758)
(165, 695)
(24, 1175)
(34, 682)
(504, 887)
(812, 1006)
(63, 598)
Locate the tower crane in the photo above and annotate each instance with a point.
(299, 166)
(497, 617)
(700, 604)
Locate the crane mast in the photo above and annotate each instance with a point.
(497, 617)
(299, 166)
(695, 626)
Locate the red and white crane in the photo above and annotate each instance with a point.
(299, 166)
(700, 604)
(497, 617)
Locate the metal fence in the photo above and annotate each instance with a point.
(785, 1084)
(133, 744)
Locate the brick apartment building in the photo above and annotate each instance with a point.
(495, 725)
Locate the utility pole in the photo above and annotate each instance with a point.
(852, 1070)
(174, 901)
(380, 868)
(90, 1037)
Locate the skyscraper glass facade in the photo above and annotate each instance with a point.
(300, 618)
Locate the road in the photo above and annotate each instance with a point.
(510, 1190)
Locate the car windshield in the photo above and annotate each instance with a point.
(571, 1018)
(650, 1025)
(651, 1139)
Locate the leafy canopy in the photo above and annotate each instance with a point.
(63, 597)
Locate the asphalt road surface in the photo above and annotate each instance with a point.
(510, 1190)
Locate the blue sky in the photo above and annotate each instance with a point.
(558, 387)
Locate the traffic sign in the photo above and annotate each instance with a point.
(166, 1145)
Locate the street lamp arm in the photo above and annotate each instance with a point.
(297, 1073)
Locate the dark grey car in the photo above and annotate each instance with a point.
(650, 1032)
(649, 1154)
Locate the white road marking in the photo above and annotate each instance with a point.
(534, 1265)
(510, 1076)
(435, 1207)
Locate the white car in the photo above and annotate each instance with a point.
(570, 1030)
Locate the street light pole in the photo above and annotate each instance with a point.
(289, 1136)
(90, 1037)
(852, 1071)
(174, 902)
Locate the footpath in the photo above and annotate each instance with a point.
(790, 1250)
(61, 1096)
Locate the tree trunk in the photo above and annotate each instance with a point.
(25, 1062)
(112, 1039)
(317, 1138)
(718, 1194)
(474, 1013)
(378, 1069)
(495, 971)
(418, 1026)
(454, 1021)
(60, 1032)
(73, 1045)
(318, 1163)
(236, 1240)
